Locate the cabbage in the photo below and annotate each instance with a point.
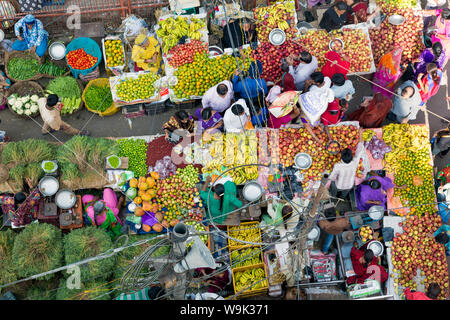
(34, 98)
(377, 147)
(131, 193)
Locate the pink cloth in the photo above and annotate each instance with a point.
(110, 199)
(443, 28)
(276, 123)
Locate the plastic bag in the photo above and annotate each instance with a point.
(164, 167)
(132, 25)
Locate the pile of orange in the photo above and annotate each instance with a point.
(114, 53)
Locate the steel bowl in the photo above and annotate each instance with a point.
(52, 49)
(277, 37)
(247, 188)
(49, 171)
(377, 248)
(329, 145)
(376, 212)
(330, 45)
(348, 236)
(215, 51)
(396, 19)
(65, 199)
(303, 161)
(314, 234)
(43, 181)
(114, 156)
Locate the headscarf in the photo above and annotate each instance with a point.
(29, 18)
(330, 69)
(315, 103)
(255, 69)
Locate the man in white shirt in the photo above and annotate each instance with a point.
(343, 175)
(218, 97)
(301, 73)
(236, 117)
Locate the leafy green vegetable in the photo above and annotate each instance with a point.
(8, 272)
(23, 68)
(12, 153)
(98, 97)
(34, 172)
(92, 290)
(52, 69)
(68, 90)
(17, 173)
(136, 151)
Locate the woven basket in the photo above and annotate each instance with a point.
(81, 86)
(24, 88)
(60, 63)
(100, 82)
(21, 54)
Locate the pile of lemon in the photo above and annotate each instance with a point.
(140, 88)
(114, 53)
(195, 78)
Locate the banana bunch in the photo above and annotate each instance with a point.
(172, 29)
(290, 6)
(244, 279)
(283, 25)
(247, 257)
(261, 13)
(245, 233)
(367, 135)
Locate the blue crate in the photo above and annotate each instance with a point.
(53, 2)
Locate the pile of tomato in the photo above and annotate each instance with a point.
(80, 60)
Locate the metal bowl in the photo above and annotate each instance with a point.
(396, 19)
(377, 248)
(348, 236)
(52, 51)
(65, 199)
(330, 45)
(255, 187)
(215, 51)
(303, 161)
(44, 182)
(314, 234)
(329, 145)
(277, 37)
(376, 212)
(114, 156)
(49, 171)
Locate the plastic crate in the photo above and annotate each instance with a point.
(240, 258)
(155, 107)
(249, 292)
(243, 225)
(53, 2)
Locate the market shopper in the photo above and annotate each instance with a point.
(335, 63)
(442, 25)
(284, 109)
(388, 72)
(181, 123)
(281, 216)
(219, 97)
(441, 142)
(430, 82)
(259, 116)
(287, 82)
(372, 111)
(146, 54)
(332, 225)
(335, 112)
(251, 88)
(302, 72)
(343, 89)
(238, 33)
(31, 35)
(406, 107)
(433, 292)
(221, 201)
(443, 206)
(442, 236)
(372, 192)
(365, 265)
(50, 110)
(335, 17)
(436, 54)
(237, 117)
(21, 209)
(210, 120)
(317, 82)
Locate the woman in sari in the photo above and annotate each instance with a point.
(181, 120)
(388, 72)
(372, 111)
(210, 119)
(442, 27)
(372, 192)
(429, 84)
(436, 54)
(335, 64)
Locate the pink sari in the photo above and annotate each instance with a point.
(388, 72)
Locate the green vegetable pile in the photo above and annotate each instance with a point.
(52, 69)
(23, 68)
(67, 89)
(136, 151)
(98, 97)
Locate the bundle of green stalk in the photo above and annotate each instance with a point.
(67, 89)
(98, 97)
(23, 68)
(52, 69)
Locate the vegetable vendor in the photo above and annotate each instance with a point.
(146, 54)
(222, 200)
(31, 35)
(104, 213)
(50, 110)
(20, 209)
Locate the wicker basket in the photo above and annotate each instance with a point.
(24, 88)
(80, 85)
(100, 82)
(21, 54)
(60, 63)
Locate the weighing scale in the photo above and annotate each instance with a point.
(71, 218)
(367, 289)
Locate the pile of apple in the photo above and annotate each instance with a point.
(356, 47)
(185, 53)
(295, 140)
(270, 57)
(407, 36)
(416, 249)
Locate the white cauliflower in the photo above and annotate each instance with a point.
(34, 108)
(34, 98)
(19, 111)
(28, 112)
(27, 105)
(18, 104)
(12, 100)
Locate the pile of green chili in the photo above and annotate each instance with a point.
(22, 68)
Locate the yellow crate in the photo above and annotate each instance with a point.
(249, 292)
(244, 225)
(254, 247)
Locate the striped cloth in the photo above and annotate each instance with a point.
(139, 295)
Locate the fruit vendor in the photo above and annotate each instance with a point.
(277, 113)
(332, 226)
(307, 65)
(441, 142)
(342, 176)
(216, 282)
(259, 116)
(335, 63)
(442, 236)
(237, 117)
(430, 82)
(146, 54)
(180, 121)
(222, 200)
(251, 87)
(443, 27)
(282, 217)
(20, 209)
(372, 192)
(365, 264)
(358, 11)
(31, 35)
(287, 82)
(240, 31)
(335, 17)
(407, 106)
(219, 97)
(443, 206)
(343, 89)
(433, 292)
(335, 112)
(104, 213)
(372, 111)
(210, 120)
(50, 110)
